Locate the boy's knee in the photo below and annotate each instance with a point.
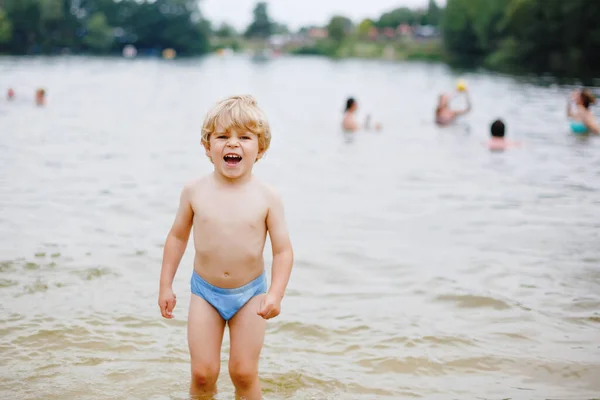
(243, 375)
(205, 375)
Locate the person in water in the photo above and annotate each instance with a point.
(10, 95)
(497, 140)
(230, 212)
(444, 115)
(349, 123)
(40, 97)
(582, 118)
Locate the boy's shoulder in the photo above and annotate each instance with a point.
(267, 189)
(196, 183)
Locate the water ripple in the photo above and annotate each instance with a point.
(426, 266)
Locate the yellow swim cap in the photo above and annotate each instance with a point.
(461, 86)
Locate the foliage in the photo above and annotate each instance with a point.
(261, 26)
(338, 27)
(5, 27)
(392, 19)
(404, 15)
(101, 26)
(225, 31)
(364, 27)
(99, 35)
(557, 36)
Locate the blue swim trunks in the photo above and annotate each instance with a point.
(228, 301)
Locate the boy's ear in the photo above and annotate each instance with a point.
(206, 149)
(260, 155)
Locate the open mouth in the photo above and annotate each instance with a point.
(232, 159)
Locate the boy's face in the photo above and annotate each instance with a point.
(233, 152)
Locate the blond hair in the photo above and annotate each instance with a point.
(240, 113)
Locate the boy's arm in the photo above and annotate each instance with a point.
(177, 239)
(283, 254)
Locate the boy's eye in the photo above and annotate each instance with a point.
(246, 137)
(221, 137)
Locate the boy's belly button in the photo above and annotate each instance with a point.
(226, 274)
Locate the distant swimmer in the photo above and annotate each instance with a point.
(497, 140)
(40, 97)
(582, 119)
(10, 94)
(443, 114)
(349, 123)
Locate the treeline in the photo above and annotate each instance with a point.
(544, 36)
(341, 27)
(431, 15)
(390, 36)
(557, 36)
(101, 26)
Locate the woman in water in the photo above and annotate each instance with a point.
(582, 119)
(349, 123)
(444, 115)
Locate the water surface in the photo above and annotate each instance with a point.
(426, 266)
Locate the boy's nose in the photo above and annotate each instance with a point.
(233, 143)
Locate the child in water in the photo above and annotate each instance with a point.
(497, 140)
(230, 212)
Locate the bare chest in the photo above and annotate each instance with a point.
(231, 215)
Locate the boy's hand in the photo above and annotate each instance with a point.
(166, 302)
(270, 306)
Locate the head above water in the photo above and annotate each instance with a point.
(586, 98)
(498, 128)
(351, 104)
(239, 113)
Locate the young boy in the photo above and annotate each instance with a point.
(230, 212)
(497, 140)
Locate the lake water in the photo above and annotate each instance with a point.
(426, 266)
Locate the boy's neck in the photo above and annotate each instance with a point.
(233, 181)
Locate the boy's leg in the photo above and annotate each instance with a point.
(205, 335)
(247, 334)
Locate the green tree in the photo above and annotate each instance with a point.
(549, 36)
(51, 25)
(560, 36)
(280, 29)
(392, 19)
(457, 27)
(5, 27)
(225, 31)
(433, 16)
(99, 36)
(261, 26)
(338, 27)
(364, 27)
